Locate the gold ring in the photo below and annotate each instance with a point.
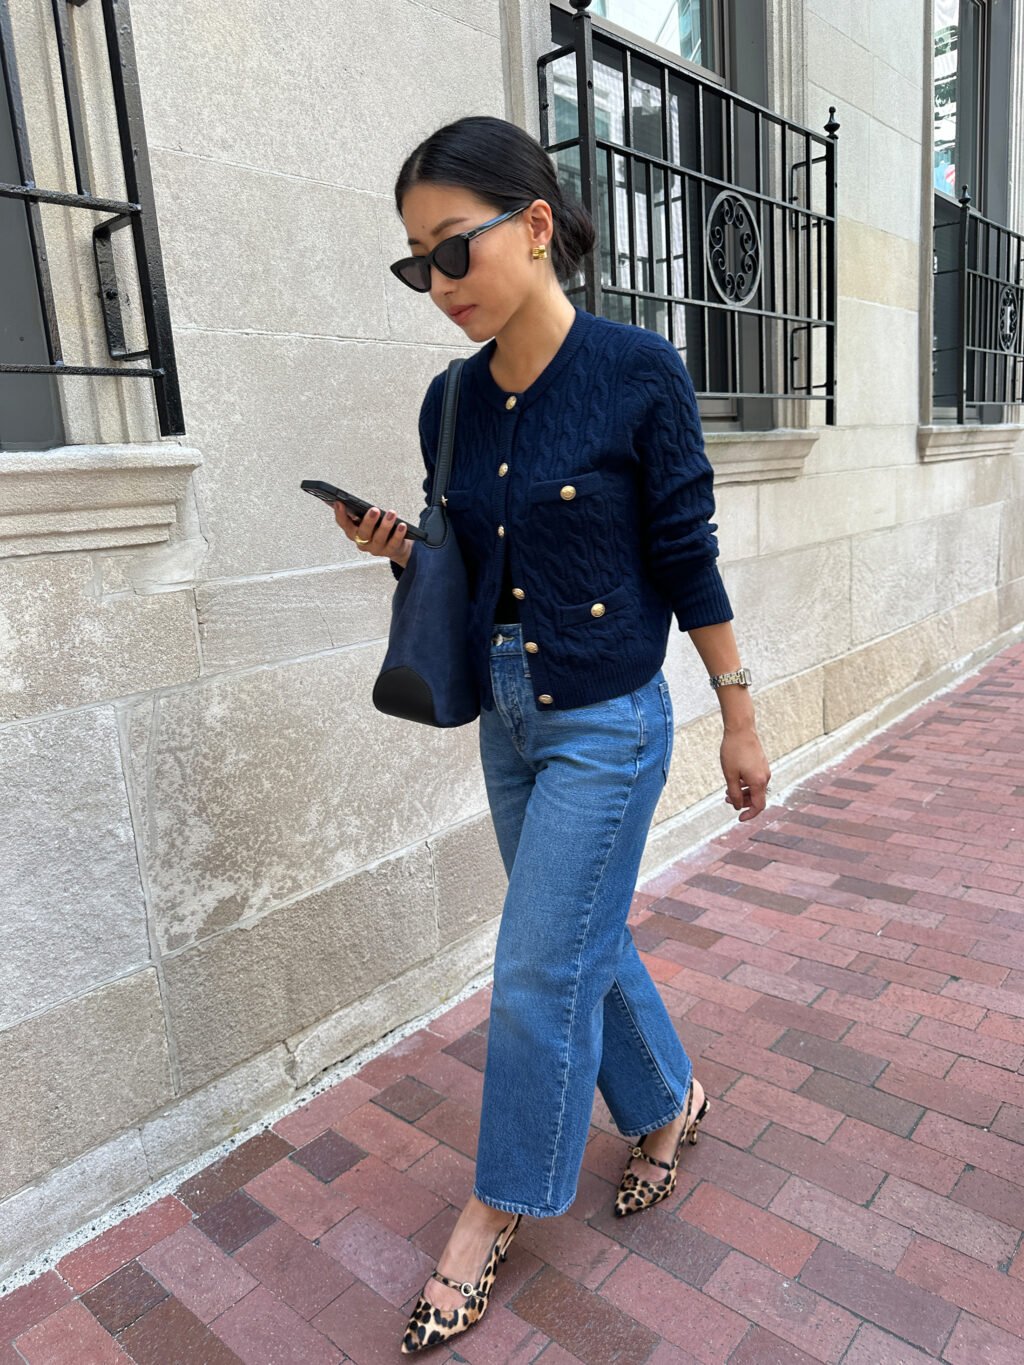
(361, 541)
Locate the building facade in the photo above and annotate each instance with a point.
(210, 893)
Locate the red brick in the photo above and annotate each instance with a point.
(740, 1172)
(902, 973)
(984, 998)
(981, 1078)
(756, 1061)
(844, 1059)
(969, 1043)
(944, 1096)
(780, 1106)
(894, 1047)
(938, 1218)
(708, 988)
(952, 944)
(325, 1109)
(910, 1313)
(88, 1264)
(960, 1279)
(954, 1010)
(797, 1315)
(1001, 1199)
(734, 1023)
(897, 1156)
(869, 920)
(996, 1025)
(974, 1341)
(984, 972)
(791, 1015)
(839, 979)
(585, 1323)
(816, 1163)
(29, 1304)
(878, 1013)
(1009, 1123)
(658, 1301)
(970, 1144)
(746, 1228)
(871, 1346)
(861, 1231)
(754, 955)
(862, 1102)
(738, 1127)
(772, 983)
(760, 1347)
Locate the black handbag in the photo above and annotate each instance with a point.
(427, 675)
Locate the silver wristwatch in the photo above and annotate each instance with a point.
(741, 675)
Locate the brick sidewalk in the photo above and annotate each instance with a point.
(849, 969)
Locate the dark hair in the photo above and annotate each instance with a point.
(504, 166)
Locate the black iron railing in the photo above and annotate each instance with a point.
(716, 218)
(978, 355)
(136, 212)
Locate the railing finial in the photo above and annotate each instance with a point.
(965, 198)
(580, 4)
(832, 127)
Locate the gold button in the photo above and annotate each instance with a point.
(518, 593)
(502, 470)
(568, 492)
(597, 609)
(510, 401)
(530, 647)
(501, 530)
(546, 698)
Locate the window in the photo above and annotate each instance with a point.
(692, 29)
(32, 353)
(977, 359)
(715, 216)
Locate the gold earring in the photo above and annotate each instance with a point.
(540, 253)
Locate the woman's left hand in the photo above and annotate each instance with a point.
(746, 772)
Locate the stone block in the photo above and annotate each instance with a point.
(253, 788)
(419, 991)
(298, 273)
(895, 578)
(801, 604)
(470, 878)
(301, 94)
(271, 411)
(79, 1074)
(823, 508)
(1011, 541)
(195, 1123)
(258, 620)
(240, 992)
(37, 1217)
(968, 554)
(65, 646)
(865, 677)
(72, 913)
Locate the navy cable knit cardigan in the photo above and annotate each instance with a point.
(594, 481)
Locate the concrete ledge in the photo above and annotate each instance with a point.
(759, 456)
(92, 496)
(950, 442)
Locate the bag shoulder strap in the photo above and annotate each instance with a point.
(446, 442)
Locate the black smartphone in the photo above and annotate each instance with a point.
(357, 506)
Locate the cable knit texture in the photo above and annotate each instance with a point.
(605, 508)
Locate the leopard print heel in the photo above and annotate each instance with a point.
(634, 1194)
(430, 1324)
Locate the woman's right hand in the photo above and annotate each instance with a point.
(388, 540)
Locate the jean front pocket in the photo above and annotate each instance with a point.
(666, 706)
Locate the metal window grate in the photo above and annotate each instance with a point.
(715, 217)
(136, 212)
(978, 355)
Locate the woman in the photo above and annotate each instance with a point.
(580, 495)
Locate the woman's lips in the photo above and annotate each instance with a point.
(461, 314)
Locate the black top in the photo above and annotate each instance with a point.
(507, 607)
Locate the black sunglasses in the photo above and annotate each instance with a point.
(450, 256)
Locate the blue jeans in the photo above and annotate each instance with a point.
(572, 794)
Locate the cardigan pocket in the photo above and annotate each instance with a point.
(568, 489)
(458, 499)
(611, 602)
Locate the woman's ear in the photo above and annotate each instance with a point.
(540, 221)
